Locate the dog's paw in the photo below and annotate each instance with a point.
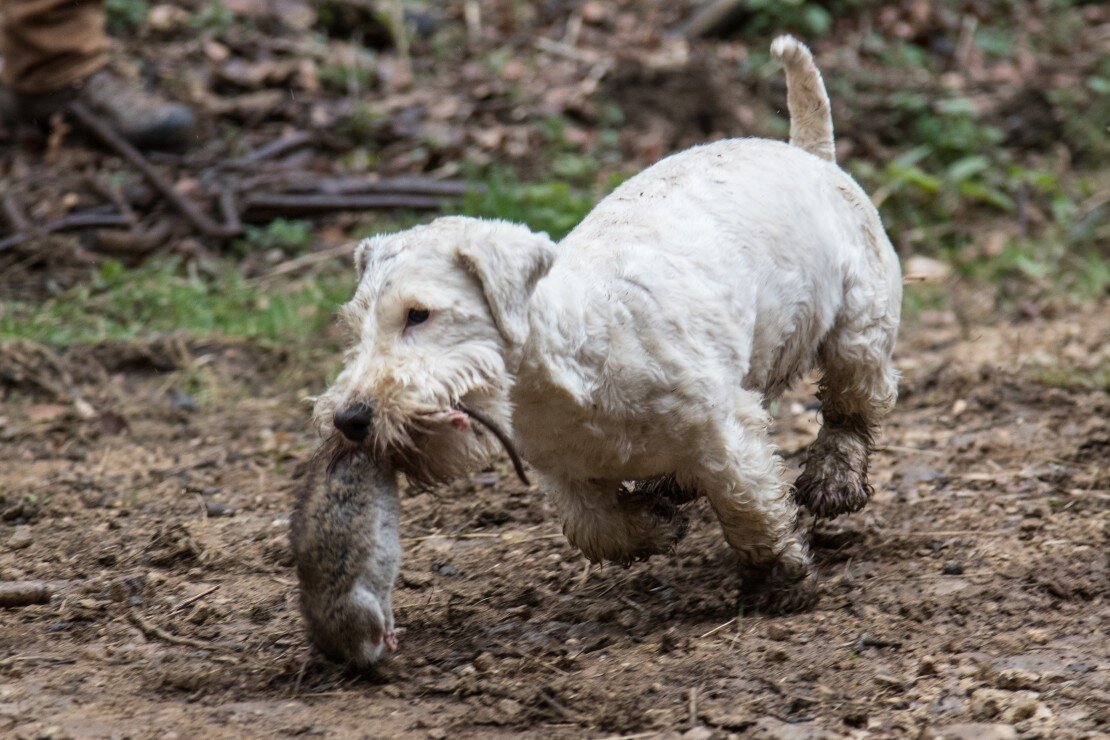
(780, 589)
(829, 493)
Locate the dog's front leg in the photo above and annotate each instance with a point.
(609, 523)
(744, 483)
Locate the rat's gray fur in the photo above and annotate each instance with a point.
(347, 547)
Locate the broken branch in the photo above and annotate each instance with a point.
(114, 141)
(262, 206)
(72, 222)
(15, 594)
(275, 148)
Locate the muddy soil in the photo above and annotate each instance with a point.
(968, 600)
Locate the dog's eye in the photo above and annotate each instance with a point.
(417, 316)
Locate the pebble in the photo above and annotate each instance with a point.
(416, 580)
(988, 703)
(953, 568)
(20, 537)
(778, 632)
(182, 401)
(218, 509)
(971, 731)
(484, 662)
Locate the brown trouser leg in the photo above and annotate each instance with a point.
(49, 44)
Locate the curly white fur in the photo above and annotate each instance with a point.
(649, 340)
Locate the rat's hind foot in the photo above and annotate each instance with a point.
(661, 499)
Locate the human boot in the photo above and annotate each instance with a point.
(145, 119)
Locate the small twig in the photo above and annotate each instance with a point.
(133, 241)
(898, 448)
(261, 206)
(297, 263)
(14, 213)
(153, 631)
(275, 148)
(584, 577)
(39, 659)
(563, 711)
(718, 628)
(412, 185)
(228, 209)
(72, 222)
(191, 599)
(692, 703)
(950, 533)
(110, 138)
(401, 41)
(114, 194)
(715, 18)
(300, 677)
(464, 536)
(15, 594)
(562, 49)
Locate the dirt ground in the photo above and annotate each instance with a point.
(971, 592)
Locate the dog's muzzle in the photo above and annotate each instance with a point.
(354, 421)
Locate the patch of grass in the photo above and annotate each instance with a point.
(213, 16)
(919, 297)
(551, 207)
(1070, 377)
(289, 236)
(351, 76)
(126, 15)
(164, 297)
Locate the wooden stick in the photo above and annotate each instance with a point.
(15, 594)
(156, 632)
(73, 222)
(394, 185)
(200, 221)
(14, 213)
(275, 148)
(718, 628)
(262, 206)
(715, 18)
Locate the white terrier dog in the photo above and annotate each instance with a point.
(645, 346)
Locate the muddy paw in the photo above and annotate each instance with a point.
(780, 590)
(828, 495)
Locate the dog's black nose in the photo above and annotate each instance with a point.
(354, 421)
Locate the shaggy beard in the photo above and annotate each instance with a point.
(445, 461)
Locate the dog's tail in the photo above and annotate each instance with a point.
(811, 125)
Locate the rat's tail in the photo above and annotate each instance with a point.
(810, 118)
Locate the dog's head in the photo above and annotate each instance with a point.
(437, 322)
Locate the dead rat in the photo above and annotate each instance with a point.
(346, 543)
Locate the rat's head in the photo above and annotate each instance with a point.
(437, 323)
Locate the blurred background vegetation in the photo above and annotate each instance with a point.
(979, 128)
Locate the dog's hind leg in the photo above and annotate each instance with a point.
(858, 387)
(743, 480)
(610, 523)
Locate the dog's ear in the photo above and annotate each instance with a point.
(362, 255)
(508, 261)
